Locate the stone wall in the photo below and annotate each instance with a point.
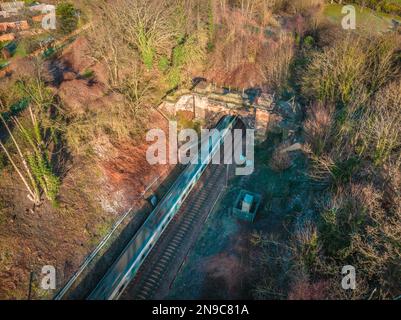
(211, 108)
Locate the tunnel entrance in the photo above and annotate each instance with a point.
(209, 108)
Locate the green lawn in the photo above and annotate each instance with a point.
(365, 18)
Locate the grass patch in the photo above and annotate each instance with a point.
(21, 50)
(365, 18)
(88, 74)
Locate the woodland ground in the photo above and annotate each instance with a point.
(104, 88)
(92, 196)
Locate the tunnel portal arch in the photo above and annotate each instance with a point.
(209, 109)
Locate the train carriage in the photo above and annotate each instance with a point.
(125, 267)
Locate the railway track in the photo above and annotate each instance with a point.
(168, 253)
(155, 254)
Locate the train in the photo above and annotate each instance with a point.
(124, 269)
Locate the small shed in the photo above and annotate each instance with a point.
(247, 205)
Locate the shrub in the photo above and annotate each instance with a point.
(30, 44)
(342, 218)
(164, 63)
(34, 139)
(309, 41)
(380, 131)
(336, 74)
(276, 66)
(67, 17)
(274, 265)
(318, 125)
(280, 160)
(358, 230)
(303, 289)
(352, 70)
(391, 7)
(305, 244)
(88, 74)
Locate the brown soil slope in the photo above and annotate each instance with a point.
(94, 192)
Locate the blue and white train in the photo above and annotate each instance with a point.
(126, 266)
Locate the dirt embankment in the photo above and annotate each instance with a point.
(95, 190)
(123, 164)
